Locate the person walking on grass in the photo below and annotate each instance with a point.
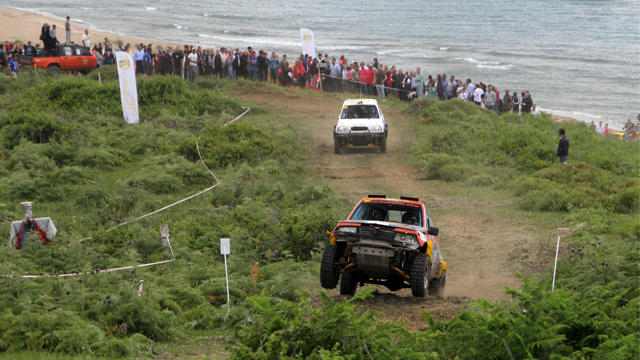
(563, 147)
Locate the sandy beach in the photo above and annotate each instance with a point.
(23, 26)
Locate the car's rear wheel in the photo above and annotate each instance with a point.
(348, 284)
(329, 270)
(336, 145)
(54, 70)
(420, 275)
(437, 285)
(383, 145)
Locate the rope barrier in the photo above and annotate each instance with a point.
(86, 273)
(241, 115)
(218, 182)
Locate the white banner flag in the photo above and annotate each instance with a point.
(308, 42)
(128, 89)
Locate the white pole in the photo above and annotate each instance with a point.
(227, 276)
(100, 78)
(553, 286)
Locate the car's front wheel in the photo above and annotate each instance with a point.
(329, 271)
(336, 145)
(383, 145)
(348, 284)
(420, 275)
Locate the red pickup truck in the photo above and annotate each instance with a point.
(66, 57)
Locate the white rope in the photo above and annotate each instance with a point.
(241, 115)
(85, 273)
(218, 182)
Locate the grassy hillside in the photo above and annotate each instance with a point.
(63, 144)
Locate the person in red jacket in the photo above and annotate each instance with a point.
(371, 75)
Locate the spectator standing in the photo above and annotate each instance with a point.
(506, 101)
(534, 110)
(419, 82)
(527, 103)
(274, 65)
(605, 131)
(335, 75)
(563, 147)
(381, 78)
(452, 88)
(600, 128)
(229, 64)
(159, 62)
(490, 99)
(168, 61)
(13, 67)
(263, 66)
(470, 88)
(138, 58)
(176, 58)
(86, 39)
(252, 66)
(284, 71)
(147, 63)
(67, 30)
(515, 103)
(217, 64)
(30, 50)
(193, 65)
(478, 93)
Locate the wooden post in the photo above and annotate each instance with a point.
(255, 271)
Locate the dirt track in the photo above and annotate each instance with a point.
(481, 248)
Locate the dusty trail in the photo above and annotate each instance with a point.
(481, 248)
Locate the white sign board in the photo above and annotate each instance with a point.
(128, 89)
(308, 42)
(225, 247)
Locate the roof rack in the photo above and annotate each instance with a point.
(378, 196)
(409, 198)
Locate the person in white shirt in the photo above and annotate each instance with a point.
(534, 110)
(86, 39)
(600, 128)
(477, 95)
(193, 65)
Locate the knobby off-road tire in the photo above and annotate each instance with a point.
(336, 146)
(54, 70)
(383, 145)
(436, 288)
(348, 284)
(329, 271)
(420, 275)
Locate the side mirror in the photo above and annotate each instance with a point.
(433, 231)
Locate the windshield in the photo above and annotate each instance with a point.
(359, 112)
(389, 211)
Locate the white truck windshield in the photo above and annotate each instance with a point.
(360, 112)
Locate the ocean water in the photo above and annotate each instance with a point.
(578, 58)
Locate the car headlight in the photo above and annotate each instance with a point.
(348, 229)
(375, 128)
(342, 129)
(407, 239)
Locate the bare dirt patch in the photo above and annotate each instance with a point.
(481, 247)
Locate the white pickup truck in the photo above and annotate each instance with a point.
(360, 123)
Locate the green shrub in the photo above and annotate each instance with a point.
(481, 180)
(38, 127)
(444, 167)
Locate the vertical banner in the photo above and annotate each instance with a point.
(128, 89)
(308, 42)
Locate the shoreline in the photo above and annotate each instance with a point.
(18, 24)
